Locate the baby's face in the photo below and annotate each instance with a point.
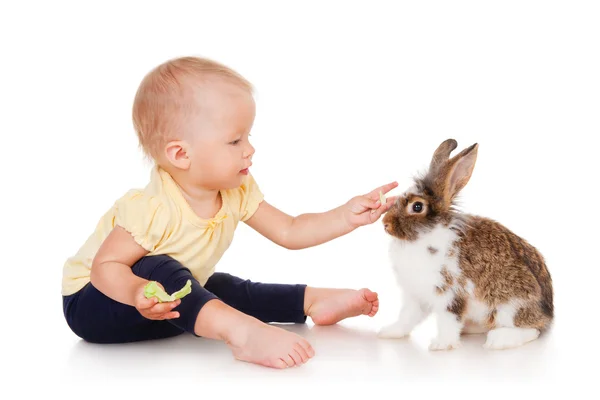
(221, 152)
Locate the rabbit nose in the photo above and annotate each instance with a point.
(386, 226)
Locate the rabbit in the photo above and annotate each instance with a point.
(471, 272)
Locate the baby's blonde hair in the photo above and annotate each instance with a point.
(166, 93)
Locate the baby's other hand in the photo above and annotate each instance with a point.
(366, 209)
(152, 309)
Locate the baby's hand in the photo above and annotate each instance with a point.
(366, 209)
(152, 309)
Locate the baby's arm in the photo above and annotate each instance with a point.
(312, 229)
(111, 269)
(112, 275)
(299, 232)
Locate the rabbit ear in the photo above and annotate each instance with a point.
(459, 171)
(446, 177)
(441, 155)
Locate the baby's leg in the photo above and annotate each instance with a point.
(329, 306)
(236, 320)
(250, 339)
(292, 303)
(266, 302)
(97, 318)
(204, 314)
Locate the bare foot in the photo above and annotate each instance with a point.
(329, 306)
(269, 346)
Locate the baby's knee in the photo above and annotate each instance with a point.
(160, 267)
(158, 259)
(222, 279)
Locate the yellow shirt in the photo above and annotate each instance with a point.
(162, 222)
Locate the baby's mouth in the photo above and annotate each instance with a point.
(245, 170)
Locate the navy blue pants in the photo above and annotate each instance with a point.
(97, 318)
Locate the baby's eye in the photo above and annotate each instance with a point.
(237, 141)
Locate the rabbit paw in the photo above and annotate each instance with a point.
(507, 338)
(443, 344)
(393, 331)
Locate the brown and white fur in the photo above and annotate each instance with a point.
(471, 272)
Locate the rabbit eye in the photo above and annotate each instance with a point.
(417, 207)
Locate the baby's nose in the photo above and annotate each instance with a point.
(249, 152)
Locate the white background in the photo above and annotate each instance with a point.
(350, 95)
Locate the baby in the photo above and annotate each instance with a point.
(193, 118)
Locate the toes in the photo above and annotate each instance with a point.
(301, 352)
(373, 300)
(308, 348)
(369, 296)
(289, 361)
(279, 364)
(374, 309)
(295, 355)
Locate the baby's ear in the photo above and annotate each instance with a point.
(176, 153)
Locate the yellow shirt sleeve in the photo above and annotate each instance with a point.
(144, 216)
(248, 198)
